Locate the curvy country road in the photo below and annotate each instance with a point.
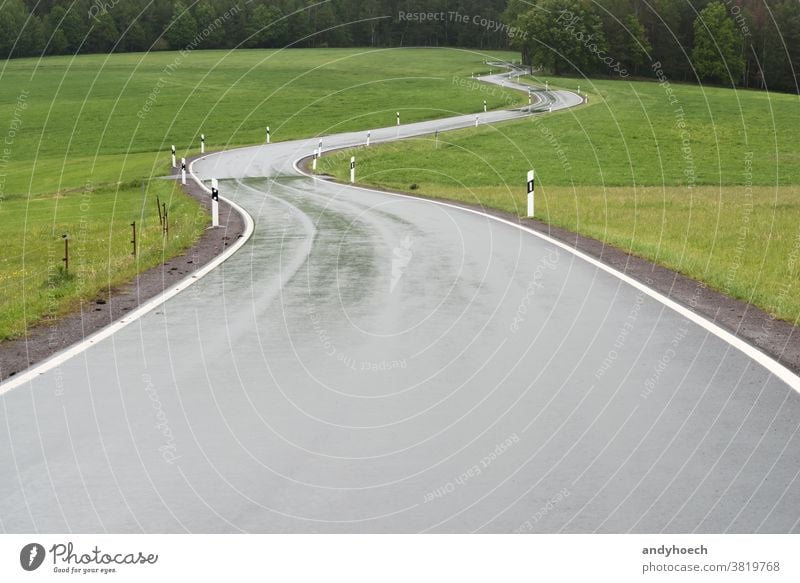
(370, 362)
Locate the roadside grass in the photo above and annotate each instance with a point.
(34, 285)
(103, 124)
(707, 185)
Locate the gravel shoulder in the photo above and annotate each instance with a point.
(777, 338)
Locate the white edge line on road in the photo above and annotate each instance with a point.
(761, 358)
(61, 357)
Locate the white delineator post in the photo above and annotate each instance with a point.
(547, 85)
(484, 106)
(352, 170)
(214, 202)
(476, 121)
(530, 194)
(368, 134)
(398, 118)
(183, 171)
(314, 161)
(174, 165)
(202, 143)
(268, 136)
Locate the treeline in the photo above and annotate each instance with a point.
(746, 43)
(58, 27)
(749, 43)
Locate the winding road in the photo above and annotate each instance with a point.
(370, 362)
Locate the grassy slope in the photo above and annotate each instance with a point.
(86, 137)
(725, 211)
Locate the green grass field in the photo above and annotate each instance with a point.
(79, 135)
(705, 181)
(35, 284)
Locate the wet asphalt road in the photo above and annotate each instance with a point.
(375, 363)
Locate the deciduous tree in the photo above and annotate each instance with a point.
(717, 55)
